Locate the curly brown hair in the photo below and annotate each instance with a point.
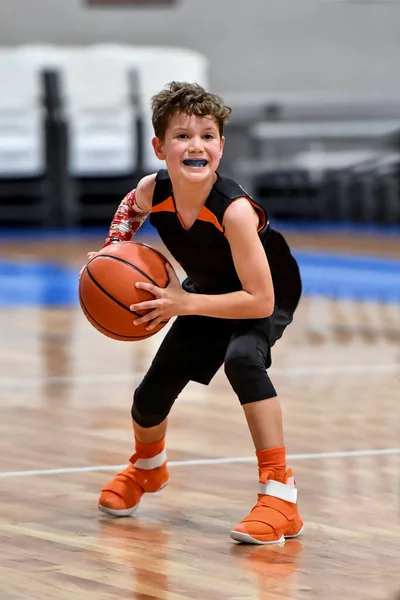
(187, 98)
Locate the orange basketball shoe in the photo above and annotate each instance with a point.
(275, 517)
(147, 473)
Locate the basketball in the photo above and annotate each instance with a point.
(107, 288)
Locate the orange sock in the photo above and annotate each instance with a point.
(273, 462)
(144, 450)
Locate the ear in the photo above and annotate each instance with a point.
(222, 146)
(158, 147)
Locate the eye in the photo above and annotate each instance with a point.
(182, 136)
(208, 136)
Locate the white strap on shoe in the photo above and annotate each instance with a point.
(151, 463)
(278, 490)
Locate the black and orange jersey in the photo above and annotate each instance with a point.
(203, 250)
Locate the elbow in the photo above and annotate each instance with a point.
(264, 307)
(267, 312)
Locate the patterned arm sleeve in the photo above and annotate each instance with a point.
(127, 220)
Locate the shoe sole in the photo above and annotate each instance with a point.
(126, 512)
(245, 538)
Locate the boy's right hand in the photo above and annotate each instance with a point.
(90, 255)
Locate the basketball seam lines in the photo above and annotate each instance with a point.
(133, 337)
(110, 296)
(130, 265)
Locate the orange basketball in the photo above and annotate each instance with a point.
(107, 288)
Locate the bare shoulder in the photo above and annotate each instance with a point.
(240, 212)
(145, 191)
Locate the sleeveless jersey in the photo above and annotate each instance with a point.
(203, 250)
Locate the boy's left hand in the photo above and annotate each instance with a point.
(168, 302)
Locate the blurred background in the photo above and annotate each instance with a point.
(314, 88)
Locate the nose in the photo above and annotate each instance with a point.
(196, 144)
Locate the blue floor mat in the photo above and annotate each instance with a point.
(333, 276)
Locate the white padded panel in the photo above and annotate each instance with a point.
(22, 152)
(95, 80)
(21, 134)
(97, 99)
(47, 56)
(19, 83)
(103, 143)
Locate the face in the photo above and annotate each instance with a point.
(192, 147)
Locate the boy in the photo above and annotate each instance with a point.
(242, 288)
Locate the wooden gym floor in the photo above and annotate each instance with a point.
(65, 430)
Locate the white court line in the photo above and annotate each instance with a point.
(206, 461)
(301, 371)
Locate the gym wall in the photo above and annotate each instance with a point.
(256, 45)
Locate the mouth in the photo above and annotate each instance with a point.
(195, 163)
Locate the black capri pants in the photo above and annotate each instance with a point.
(195, 348)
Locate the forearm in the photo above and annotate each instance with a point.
(235, 305)
(127, 220)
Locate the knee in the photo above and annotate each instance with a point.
(247, 374)
(145, 411)
(240, 367)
